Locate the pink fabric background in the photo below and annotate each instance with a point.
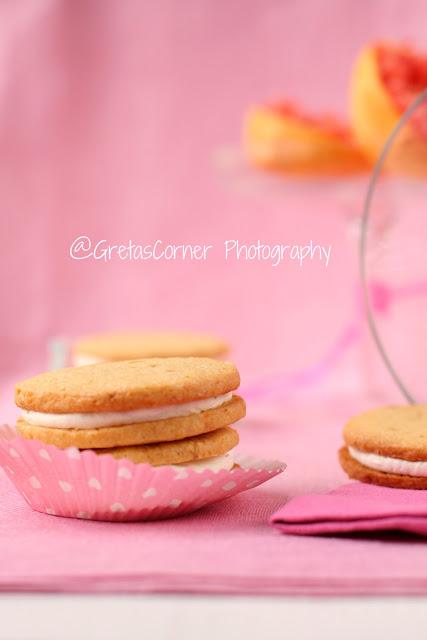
(110, 113)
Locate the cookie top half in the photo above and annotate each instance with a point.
(126, 385)
(127, 346)
(395, 431)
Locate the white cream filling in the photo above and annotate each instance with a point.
(218, 463)
(81, 360)
(115, 418)
(390, 465)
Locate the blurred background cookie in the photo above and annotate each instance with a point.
(105, 347)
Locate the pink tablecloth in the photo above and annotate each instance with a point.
(227, 548)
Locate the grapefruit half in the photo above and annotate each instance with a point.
(385, 81)
(282, 138)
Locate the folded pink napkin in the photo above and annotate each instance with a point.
(354, 508)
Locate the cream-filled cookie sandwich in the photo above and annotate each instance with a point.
(160, 411)
(110, 347)
(387, 446)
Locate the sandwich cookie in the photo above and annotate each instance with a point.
(154, 410)
(208, 446)
(135, 345)
(387, 446)
(135, 440)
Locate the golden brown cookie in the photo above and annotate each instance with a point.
(395, 431)
(207, 445)
(358, 471)
(126, 385)
(132, 345)
(139, 433)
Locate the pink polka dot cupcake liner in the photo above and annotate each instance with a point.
(81, 484)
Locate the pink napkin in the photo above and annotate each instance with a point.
(354, 508)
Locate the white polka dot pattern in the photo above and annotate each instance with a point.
(65, 486)
(95, 484)
(181, 474)
(123, 472)
(83, 515)
(84, 485)
(73, 453)
(117, 507)
(35, 482)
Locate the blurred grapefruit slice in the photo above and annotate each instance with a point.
(385, 81)
(282, 138)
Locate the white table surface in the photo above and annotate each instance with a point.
(158, 617)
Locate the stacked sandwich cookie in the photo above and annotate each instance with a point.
(165, 423)
(159, 411)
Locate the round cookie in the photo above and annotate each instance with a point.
(358, 471)
(207, 445)
(126, 385)
(394, 431)
(136, 345)
(387, 446)
(138, 433)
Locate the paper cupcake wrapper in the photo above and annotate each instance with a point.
(82, 484)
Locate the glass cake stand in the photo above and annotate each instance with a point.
(394, 259)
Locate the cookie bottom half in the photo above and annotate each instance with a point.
(358, 471)
(208, 445)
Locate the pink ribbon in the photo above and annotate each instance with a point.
(382, 297)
